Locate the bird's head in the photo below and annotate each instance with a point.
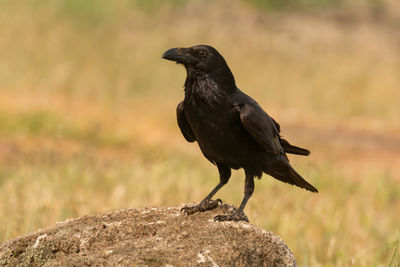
(198, 59)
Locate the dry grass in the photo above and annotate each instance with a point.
(87, 117)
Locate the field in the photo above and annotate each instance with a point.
(87, 115)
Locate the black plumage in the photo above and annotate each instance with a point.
(231, 129)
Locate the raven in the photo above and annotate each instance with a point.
(231, 129)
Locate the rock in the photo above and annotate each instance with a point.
(148, 237)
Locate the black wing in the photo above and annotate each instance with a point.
(184, 124)
(264, 131)
(259, 123)
(289, 148)
(261, 127)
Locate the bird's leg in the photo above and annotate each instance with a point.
(238, 215)
(207, 203)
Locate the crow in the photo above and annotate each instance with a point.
(230, 127)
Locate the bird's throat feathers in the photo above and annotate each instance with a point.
(209, 87)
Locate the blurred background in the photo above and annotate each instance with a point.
(87, 114)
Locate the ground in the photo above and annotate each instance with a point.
(149, 237)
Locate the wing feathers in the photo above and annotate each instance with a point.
(261, 127)
(294, 149)
(184, 124)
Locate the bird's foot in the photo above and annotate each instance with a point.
(236, 216)
(202, 206)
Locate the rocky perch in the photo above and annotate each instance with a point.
(148, 237)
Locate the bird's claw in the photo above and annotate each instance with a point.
(202, 206)
(187, 210)
(236, 216)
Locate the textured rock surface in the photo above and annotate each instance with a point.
(148, 237)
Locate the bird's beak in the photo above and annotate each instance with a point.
(180, 55)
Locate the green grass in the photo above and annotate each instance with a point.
(45, 124)
(87, 116)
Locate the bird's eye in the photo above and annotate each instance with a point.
(202, 53)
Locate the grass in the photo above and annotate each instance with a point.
(87, 117)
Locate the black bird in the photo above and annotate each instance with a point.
(232, 130)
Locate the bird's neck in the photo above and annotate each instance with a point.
(209, 87)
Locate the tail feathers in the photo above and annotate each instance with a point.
(285, 173)
(294, 149)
